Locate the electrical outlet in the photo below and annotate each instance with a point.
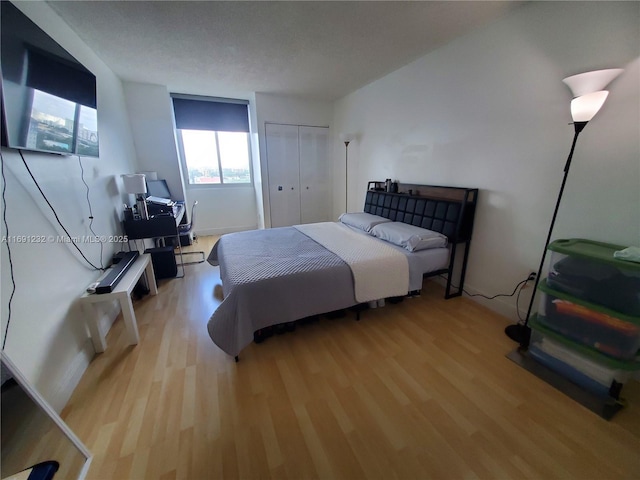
(532, 276)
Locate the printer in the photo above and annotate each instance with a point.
(159, 206)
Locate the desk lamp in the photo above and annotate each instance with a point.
(135, 184)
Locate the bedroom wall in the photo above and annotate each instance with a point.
(47, 337)
(151, 117)
(287, 110)
(489, 110)
(255, 162)
(220, 210)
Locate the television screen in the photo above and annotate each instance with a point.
(48, 98)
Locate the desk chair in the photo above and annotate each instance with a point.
(187, 229)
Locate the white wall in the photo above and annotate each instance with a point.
(490, 111)
(219, 210)
(255, 162)
(47, 336)
(287, 110)
(151, 116)
(224, 210)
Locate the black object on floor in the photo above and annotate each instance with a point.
(518, 333)
(164, 262)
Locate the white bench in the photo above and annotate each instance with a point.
(122, 293)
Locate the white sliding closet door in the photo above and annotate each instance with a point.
(284, 174)
(314, 174)
(297, 160)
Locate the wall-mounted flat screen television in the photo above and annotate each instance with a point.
(49, 99)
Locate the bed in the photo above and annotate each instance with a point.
(280, 275)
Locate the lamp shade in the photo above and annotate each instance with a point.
(134, 183)
(347, 137)
(590, 82)
(584, 108)
(150, 175)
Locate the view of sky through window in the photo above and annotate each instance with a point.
(208, 154)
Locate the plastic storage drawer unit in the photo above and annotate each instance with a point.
(600, 375)
(587, 270)
(607, 331)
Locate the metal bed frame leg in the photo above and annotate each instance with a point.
(452, 261)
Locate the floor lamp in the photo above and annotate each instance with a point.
(588, 97)
(346, 138)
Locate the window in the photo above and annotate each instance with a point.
(213, 157)
(213, 137)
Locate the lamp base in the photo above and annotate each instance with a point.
(519, 333)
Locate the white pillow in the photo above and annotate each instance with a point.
(409, 236)
(362, 220)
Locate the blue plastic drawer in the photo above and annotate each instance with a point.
(569, 372)
(593, 371)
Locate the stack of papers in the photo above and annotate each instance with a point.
(162, 201)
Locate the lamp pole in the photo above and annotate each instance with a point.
(346, 175)
(524, 333)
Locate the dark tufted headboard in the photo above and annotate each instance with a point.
(448, 210)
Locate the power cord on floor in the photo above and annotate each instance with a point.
(517, 290)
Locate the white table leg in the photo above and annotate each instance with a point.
(129, 317)
(151, 278)
(99, 342)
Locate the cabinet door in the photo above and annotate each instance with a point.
(315, 196)
(284, 174)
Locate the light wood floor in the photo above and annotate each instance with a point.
(416, 390)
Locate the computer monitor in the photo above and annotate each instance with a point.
(158, 188)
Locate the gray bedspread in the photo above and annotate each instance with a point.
(273, 276)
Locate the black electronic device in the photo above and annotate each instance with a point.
(156, 227)
(156, 209)
(158, 188)
(164, 262)
(122, 263)
(49, 100)
(119, 256)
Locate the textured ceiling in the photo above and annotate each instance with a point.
(316, 50)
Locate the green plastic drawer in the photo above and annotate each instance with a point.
(587, 271)
(607, 331)
(591, 250)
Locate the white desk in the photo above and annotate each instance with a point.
(122, 293)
